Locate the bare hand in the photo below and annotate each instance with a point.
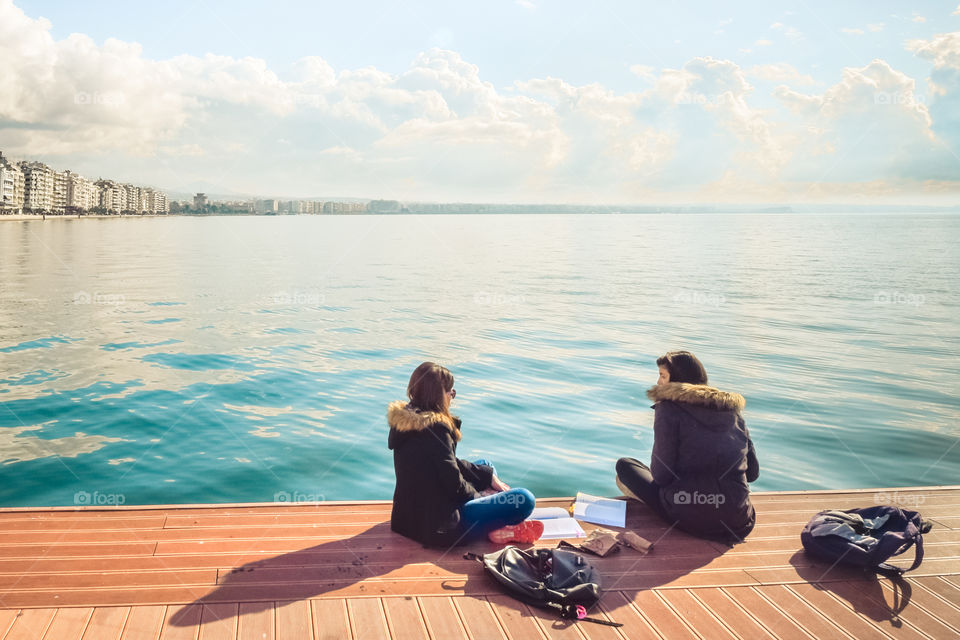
(498, 485)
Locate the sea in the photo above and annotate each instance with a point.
(251, 359)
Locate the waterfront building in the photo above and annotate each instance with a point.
(267, 206)
(11, 187)
(113, 197)
(133, 194)
(82, 194)
(153, 201)
(59, 202)
(38, 182)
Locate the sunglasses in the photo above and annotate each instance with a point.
(453, 393)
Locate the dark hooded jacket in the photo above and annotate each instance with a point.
(703, 459)
(432, 483)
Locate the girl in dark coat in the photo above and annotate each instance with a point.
(441, 500)
(702, 457)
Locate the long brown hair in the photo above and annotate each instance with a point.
(683, 366)
(428, 387)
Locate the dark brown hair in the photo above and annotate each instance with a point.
(428, 386)
(683, 366)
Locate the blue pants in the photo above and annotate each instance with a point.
(483, 515)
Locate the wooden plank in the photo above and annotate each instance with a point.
(836, 612)
(776, 621)
(268, 521)
(294, 620)
(106, 623)
(367, 619)
(7, 617)
(68, 624)
(256, 621)
(555, 627)
(331, 620)
(515, 618)
(79, 536)
(940, 598)
(823, 572)
(89, 550)
(404, 618)
(919, 607)
(181, 623)
(70, 581)
(90, 526)
(30, 624)
(441, 617)
(617, 607)
(738, 620)
(866, 600)
(478, 618)
(219, 621)
(675, 579)
(144, 623)
(661, 617)
(701, 619)
(800, 612)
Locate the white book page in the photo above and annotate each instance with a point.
(612, 513)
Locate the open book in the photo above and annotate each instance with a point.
(557, 523)
(606, 511)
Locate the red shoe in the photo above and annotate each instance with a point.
(526, 532)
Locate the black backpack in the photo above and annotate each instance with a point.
(554, 579)
(866, 537)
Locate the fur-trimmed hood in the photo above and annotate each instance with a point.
(404, 418)
(698, 394)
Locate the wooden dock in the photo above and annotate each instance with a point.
(335, 570)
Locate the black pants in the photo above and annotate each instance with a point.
(636, 476)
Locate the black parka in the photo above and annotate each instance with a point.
(432, 483)
(703, 459)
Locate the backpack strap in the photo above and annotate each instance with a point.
(891, 570)
(578, 612)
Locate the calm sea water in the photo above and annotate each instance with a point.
(210, 359)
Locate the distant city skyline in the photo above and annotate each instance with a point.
(499, 102)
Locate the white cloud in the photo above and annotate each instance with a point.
(943, 49)
(779, 72)
(643, 71)
(920, 19)
(875, 27)
(439, 130)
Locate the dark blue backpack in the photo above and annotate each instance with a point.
(865, 537)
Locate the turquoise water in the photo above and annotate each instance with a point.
(210, 359)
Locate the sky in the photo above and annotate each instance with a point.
(521, 101)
